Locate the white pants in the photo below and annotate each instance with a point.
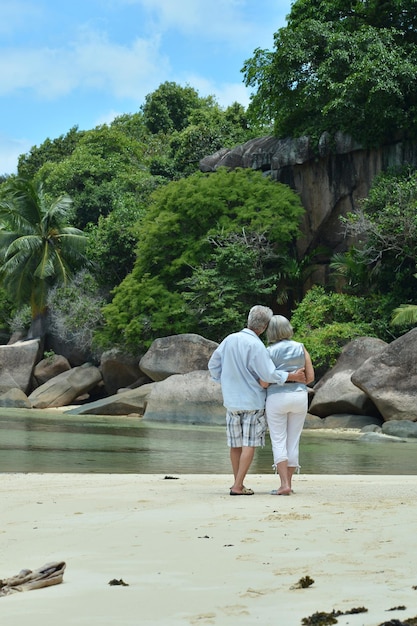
(285, 414)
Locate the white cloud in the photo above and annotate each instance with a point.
(226, 21)
(225, 93)
(90, 63)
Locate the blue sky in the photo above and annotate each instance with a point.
(66, 63)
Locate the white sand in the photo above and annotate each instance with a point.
(191, 554)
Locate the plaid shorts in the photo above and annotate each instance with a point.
(245, 428)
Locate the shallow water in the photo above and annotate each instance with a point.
(51, 443)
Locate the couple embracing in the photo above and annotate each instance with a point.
(263, 387)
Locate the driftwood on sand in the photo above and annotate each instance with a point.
(45, 576)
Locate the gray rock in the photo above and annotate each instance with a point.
(120, 370)
(15, 399)
(50, 367)
(400, 428)
(123, 403)
(335, 393)
(390, 378)
(66, 387)
(312, 421)
(351, 421)
(7, 382)
(371, 428)
(18, 360)
(188, 398)
(379, 437)
(177, 354)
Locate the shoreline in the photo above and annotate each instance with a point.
(191, 554)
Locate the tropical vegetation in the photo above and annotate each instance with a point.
(38, 246)
(118, 235)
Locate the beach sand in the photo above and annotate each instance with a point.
(191, 554)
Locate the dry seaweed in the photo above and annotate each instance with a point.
(320, 619)
(324, 619)
(118, 581)
(303, 583)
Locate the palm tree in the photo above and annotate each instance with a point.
(38, 247)
(405, 314)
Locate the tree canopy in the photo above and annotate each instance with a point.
(175, 243)
(339, 65)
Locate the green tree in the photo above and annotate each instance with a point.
(174, 238)
(54, 151)
(168, 108)
(239, 266)
(38, 246)
(111, 245)
(107, 170)
(339, 65)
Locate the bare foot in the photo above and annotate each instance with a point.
(284, 491)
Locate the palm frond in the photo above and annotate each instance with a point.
(404, 315)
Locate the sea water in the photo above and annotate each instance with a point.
(41, 441)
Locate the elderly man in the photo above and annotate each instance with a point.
(239, 363)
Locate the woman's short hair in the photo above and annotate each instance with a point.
(259, 317)
(278, 328)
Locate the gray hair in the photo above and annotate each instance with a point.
(258, 318)
(278, 328)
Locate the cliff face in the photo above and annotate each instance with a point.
(330, 183)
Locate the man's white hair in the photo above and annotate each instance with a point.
(258, 318)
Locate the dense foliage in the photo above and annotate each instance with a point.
(340, 65)
(325, 321)
(192, 230)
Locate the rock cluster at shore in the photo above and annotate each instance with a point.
(373, 385)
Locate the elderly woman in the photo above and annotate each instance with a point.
(286, 405)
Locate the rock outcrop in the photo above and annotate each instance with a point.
(127, 402)
(50, 367)
(16, 364)
(15, 399)
(390, 378)
(330, 178)
(335, 393)
(66, 387)
(177, 354)
(191, 398)
(400, 428)
(120, 370)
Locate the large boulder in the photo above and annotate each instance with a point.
(7, 382)
(351, 421)
(177, 354)
(50, 367)
(66, 387)
(120, 370)
(335, 393)
(17, 362)
(192, 398)
(15, 399)
(400, 428)
(127, 402)
(390, 378)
